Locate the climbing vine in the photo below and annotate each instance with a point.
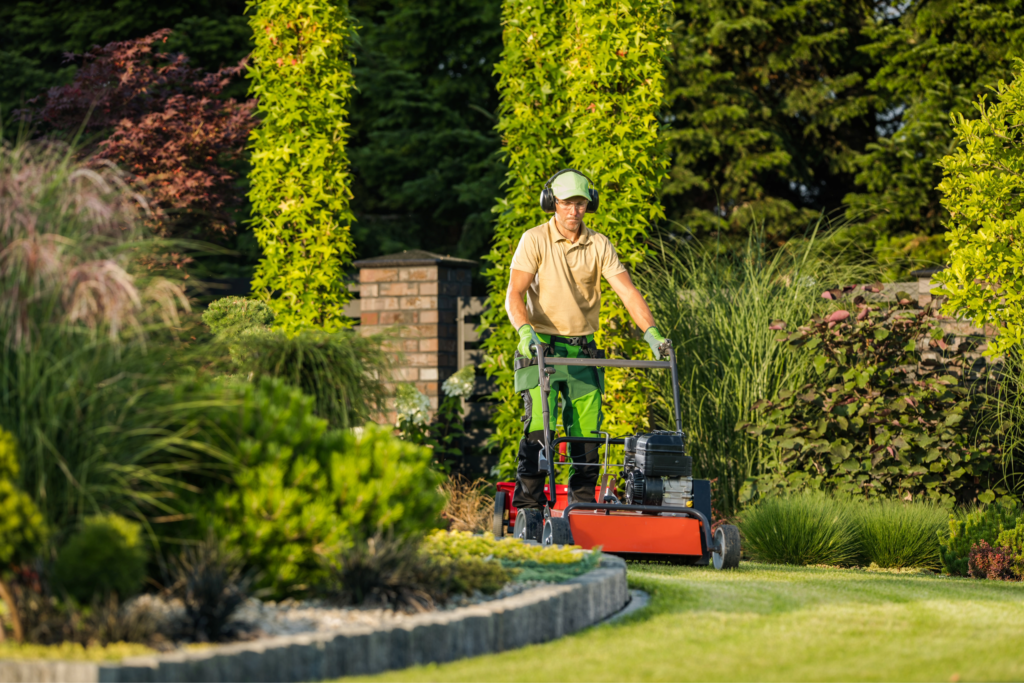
(302, 80)
(580, 86)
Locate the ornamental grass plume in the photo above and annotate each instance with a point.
(70, 247)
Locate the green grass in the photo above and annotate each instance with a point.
(767, 622)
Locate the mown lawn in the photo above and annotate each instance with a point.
(764, 622)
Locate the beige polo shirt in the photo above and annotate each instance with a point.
(565, 295)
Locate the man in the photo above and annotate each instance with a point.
(558, 266)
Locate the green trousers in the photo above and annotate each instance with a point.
(580, 390)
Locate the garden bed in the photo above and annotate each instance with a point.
(368, 642)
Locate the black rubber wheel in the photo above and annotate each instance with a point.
(529, 524)
(726, 553)
(556, 532)
(498, 526)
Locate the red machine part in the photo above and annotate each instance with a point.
(633, 532)
(560, 489)
(623, 532)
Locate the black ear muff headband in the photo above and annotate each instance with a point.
(547, 197)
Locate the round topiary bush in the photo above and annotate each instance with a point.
(106, 555)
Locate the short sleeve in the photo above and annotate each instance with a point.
(610, 263)
(527, 256)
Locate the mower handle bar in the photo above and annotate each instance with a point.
(545, 389)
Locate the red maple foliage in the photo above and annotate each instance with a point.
(170, 131)
(986, 562)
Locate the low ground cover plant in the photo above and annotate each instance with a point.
(414, 575)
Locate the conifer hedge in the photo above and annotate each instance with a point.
(301, 75)
(580, 84)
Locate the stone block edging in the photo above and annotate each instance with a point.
(533, 616)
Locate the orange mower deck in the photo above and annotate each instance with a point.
(634, 533)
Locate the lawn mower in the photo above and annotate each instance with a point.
(665, 513)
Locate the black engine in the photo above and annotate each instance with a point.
(657, 470)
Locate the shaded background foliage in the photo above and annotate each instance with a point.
(775, 111)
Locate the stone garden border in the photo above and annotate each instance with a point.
(533, 616)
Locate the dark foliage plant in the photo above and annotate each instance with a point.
(986, 562)
(969, 527)
(212, 586)
(894, 410)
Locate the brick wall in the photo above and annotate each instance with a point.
(417, 294)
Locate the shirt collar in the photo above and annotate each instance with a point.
(557, 236)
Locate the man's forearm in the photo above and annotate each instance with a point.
(516, 310)
(638, 310)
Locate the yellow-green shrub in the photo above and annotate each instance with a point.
(22, 529)
(303, 492)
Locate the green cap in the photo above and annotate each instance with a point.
(571, 185)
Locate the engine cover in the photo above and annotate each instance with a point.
(676, 492)
(663, 454)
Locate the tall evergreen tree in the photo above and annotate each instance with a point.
(423, 147)
(933, 59)
(35, 35)
(767, 107)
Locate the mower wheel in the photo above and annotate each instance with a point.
(529, 524)
(498, 527)
(556, 532)
(726, 553)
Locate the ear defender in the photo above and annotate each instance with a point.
(547, 197)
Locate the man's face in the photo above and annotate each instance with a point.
(570, 211)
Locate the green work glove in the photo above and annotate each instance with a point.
(654, 339)
(526, 337)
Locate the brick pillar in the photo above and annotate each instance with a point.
(418, 292)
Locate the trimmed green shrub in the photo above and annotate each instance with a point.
(896, 534)
(107, 554)
(807, 528)
(969, 527)
(341, 370)
(232, 316)
(302, 491)
(1013, 541)
(301, 77)
(22, 528)
(875, 421)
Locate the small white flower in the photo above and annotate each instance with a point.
(411, 405)
(461, 383)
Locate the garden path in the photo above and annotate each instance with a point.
(764, 622)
